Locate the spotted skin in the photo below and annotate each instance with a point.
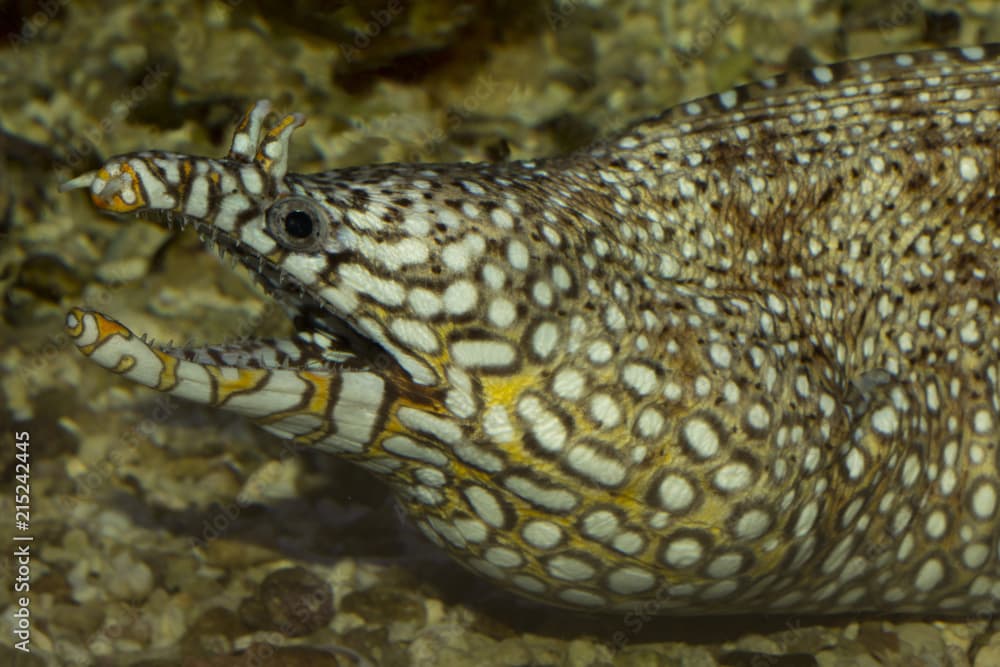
(741, 357)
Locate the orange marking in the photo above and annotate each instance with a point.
(321, 391)
(247, 379)
(317, 406)
(244, 123)
(116, 204)
(107, 328)
(506, 390)
(168, 376)
(393, 425)
(124, 365)
(280, 126)
(272, 135)
(76, 331)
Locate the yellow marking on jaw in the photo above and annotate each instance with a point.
(187, 169)
(168, 374)
(105, 329)
(319, 405)
(246, 380)
(116, 204)
(320, 382)
(77, 330)
(124, 365)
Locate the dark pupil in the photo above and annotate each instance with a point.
(298, 224)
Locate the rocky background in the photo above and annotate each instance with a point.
(167, 534)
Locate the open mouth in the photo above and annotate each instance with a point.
(322, 339)
(327, 383)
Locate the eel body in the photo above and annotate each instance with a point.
(741, 357)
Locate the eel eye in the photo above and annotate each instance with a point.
(298, 224)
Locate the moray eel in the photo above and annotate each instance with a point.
(741, 357)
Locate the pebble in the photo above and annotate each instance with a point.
(130, 579)
(292, 601)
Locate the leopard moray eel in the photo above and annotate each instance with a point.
(741, 357)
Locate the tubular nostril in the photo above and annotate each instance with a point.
(80, 182)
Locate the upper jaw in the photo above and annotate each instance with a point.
(322, 339)
(200, 188)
